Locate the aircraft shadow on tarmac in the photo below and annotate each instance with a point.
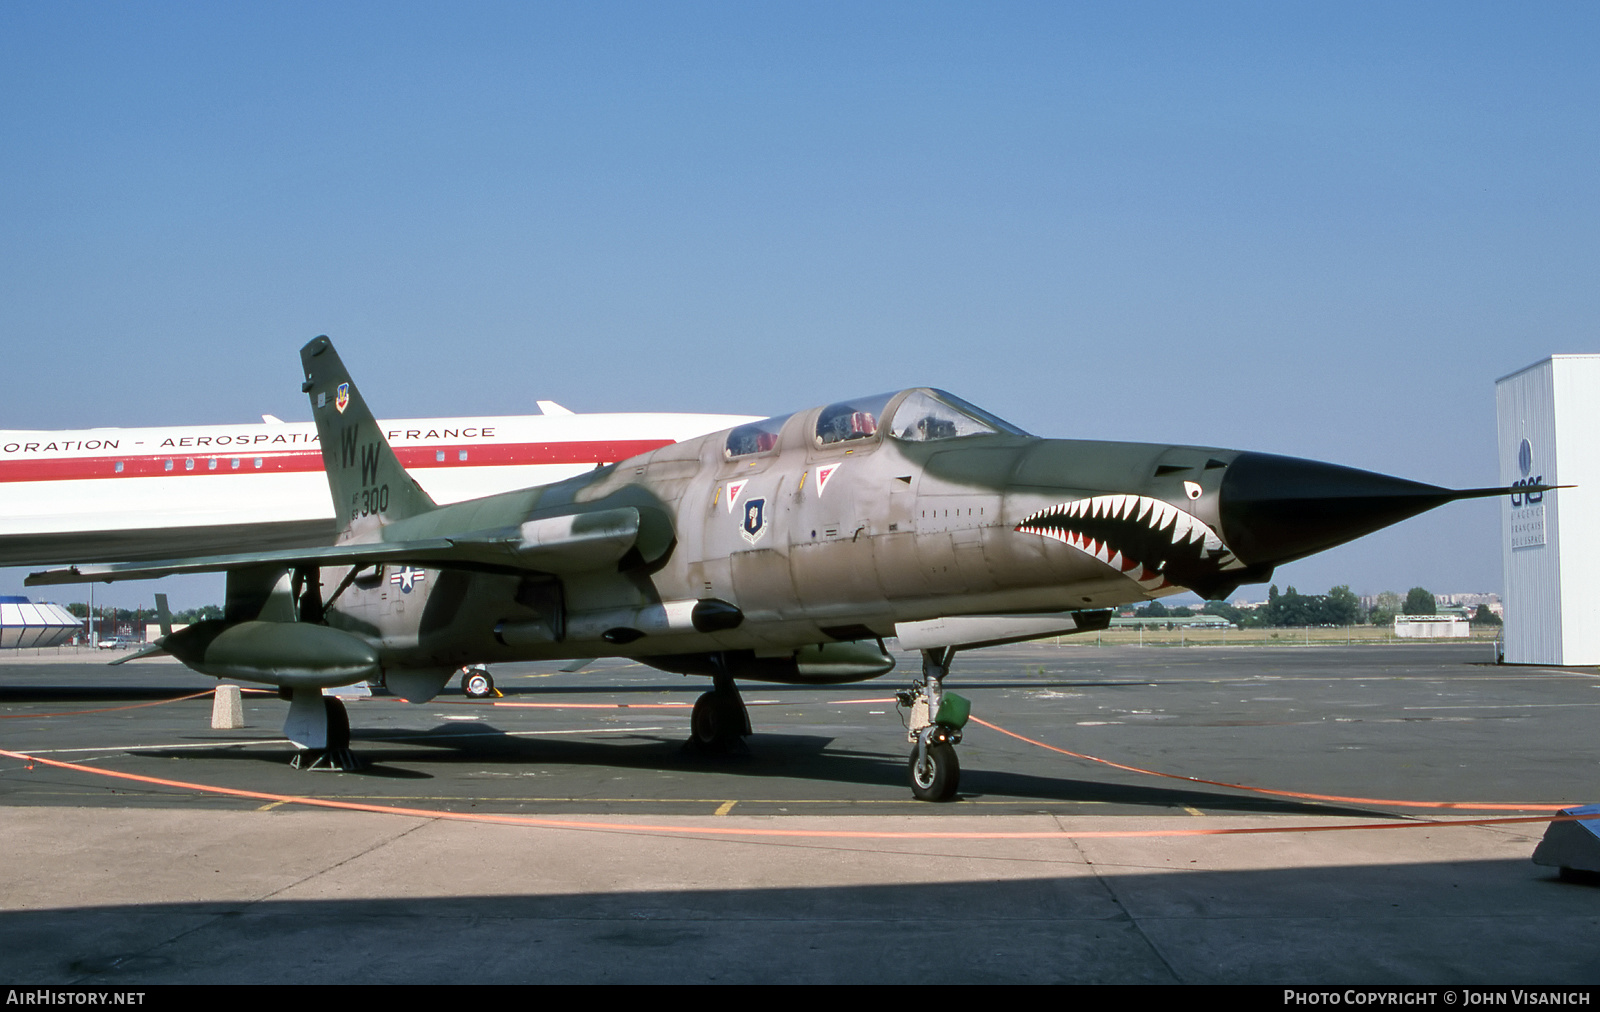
(780, 756)
(1498, 921)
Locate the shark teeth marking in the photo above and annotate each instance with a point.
(1165, 512)
(1180, 528)
(1149, 540)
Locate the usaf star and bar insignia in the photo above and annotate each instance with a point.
(407, 578)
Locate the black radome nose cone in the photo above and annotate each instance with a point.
(1277, 509)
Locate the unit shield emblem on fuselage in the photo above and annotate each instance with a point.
(755, 520)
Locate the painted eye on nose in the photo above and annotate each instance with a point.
(1191, 489)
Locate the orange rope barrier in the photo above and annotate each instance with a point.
(734, 831)
(519, 820)
(107, 709)
(1483, 805)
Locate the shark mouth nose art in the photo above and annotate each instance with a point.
(1150, 541)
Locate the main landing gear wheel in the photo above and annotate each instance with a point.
(935, 772)
(477, 683)
(719, 722)
(335, 752)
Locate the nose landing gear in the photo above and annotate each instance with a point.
(477, 683)
(935, 727)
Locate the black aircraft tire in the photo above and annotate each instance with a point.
(714, 722)
(477, 683)
(338, 723)
(938, 778)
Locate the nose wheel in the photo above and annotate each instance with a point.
(477, 683)
(935, 772)
(935, 727)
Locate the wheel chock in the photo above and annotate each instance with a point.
(1573, 846)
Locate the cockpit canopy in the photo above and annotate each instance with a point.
(850, 420)
(919, 415)
(927, 414)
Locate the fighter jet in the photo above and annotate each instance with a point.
(783, 550)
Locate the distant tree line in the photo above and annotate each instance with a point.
(188, 617)
(1339, 606)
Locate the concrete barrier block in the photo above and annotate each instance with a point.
(227, 708)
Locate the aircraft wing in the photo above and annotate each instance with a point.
(573, 542)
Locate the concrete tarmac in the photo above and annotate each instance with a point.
(648, 879)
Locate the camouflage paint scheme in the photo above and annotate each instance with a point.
(900, 532)
(783, 550)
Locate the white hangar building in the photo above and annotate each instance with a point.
(1549, 422)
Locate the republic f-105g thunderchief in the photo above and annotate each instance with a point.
(782, 550)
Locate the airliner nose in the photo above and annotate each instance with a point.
(1277, 509)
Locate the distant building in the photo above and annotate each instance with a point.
(24, 624)
(1173, 622)
(1431, 627)
(1469, 601)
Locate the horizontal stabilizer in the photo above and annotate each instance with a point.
(155, 649)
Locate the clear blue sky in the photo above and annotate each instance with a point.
(1314, 229)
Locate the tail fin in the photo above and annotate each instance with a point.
(370, 488)
(163, 616)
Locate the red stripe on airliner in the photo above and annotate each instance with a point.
(192, 465)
